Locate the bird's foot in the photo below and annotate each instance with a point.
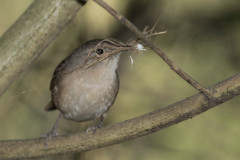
(48, 137)
(93, 129)
(100, 125)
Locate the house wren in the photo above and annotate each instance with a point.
(85, 84)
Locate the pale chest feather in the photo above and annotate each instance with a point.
(87, 94)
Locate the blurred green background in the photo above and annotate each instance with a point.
(202, 38)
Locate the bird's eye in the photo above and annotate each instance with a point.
(99, 51)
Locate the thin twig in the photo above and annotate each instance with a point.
(155, 48)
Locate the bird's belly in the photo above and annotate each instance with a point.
(83, 107)
(83, 100)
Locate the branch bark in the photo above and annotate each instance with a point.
(156, 49)
(127, 130)
(26, 39)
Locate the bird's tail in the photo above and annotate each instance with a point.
(50, 106)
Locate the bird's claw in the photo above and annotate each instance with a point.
(48, 137)
(93, 129)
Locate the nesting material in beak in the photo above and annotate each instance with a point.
(111, 47)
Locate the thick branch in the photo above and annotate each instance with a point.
(126, 130)
(155, 48)
(31, 34)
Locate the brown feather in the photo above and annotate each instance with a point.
(50, 107)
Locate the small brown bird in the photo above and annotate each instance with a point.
(85, 84)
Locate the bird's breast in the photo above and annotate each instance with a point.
(86, 94)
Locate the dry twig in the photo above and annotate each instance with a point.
(155, 48)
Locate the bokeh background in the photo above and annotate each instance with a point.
(202, 38)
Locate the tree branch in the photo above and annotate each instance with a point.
(127, 130)
(26, 39)
(156, 49)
